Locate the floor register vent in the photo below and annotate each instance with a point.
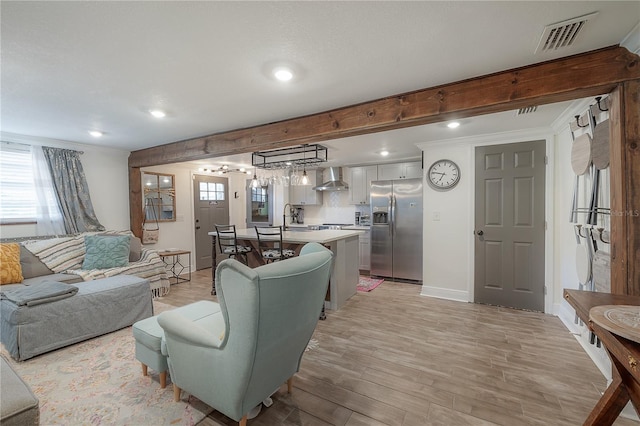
(562, 34)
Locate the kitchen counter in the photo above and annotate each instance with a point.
(343, 243)
(357, 227)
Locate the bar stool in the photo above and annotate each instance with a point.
(270, 244)
(228, 243)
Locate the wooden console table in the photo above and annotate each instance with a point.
(624, 355)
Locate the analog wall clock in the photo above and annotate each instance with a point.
(443, 175)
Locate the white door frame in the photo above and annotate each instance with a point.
(515, 137)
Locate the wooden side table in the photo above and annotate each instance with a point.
(624, 354)
(171, 258)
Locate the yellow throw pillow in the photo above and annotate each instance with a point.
(10, 269)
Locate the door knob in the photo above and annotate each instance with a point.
(480, 233)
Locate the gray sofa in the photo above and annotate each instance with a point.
(99, 307)
(106, 300)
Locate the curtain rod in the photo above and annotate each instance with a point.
(29, 146)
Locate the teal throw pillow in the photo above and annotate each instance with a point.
(104, 252)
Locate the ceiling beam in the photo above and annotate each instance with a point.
(563, 79)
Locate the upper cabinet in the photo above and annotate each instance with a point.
(408, 170)
(360, 183)
(304, 195)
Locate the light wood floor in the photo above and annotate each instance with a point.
(393, 357)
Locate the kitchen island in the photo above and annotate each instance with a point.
(343, 244)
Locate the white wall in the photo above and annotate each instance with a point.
(178, 234)
(107, 176)
(447, 263)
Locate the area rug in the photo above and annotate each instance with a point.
(100, 382)
(367, 283)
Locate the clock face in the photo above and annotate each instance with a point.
(443, 174)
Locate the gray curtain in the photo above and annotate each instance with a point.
(72, 191)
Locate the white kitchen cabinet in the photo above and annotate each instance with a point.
(364, 246)
(365, 251)
(393, 171)
(304, 195)
(360, 183)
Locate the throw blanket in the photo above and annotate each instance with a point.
(44, 292)
(150, 267)
(59, 254)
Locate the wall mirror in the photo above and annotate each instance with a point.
(159, 197)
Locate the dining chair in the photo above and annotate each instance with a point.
(270, 244)
(228, 243)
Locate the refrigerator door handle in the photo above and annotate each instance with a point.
(390, 221)
(392, 200)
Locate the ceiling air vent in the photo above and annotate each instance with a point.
(526, 110)
(562, 34)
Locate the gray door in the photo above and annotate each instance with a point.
(211, 207)
(510, 225)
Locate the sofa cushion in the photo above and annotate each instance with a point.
(106, 251)
(31, 265)
(10, 269)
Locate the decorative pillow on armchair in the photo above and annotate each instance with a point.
(104, 251)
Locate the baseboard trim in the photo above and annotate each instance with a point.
(445, 293)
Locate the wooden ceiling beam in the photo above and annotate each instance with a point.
(587, 74)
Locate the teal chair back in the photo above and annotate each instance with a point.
(268, 315)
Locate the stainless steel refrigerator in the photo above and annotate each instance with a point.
(396, 229)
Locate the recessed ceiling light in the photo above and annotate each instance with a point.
(95, 133)
(157, 113)
(283, 74)
(453, 125)
(384, 153)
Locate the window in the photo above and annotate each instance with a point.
(210, 191)
(18, 199)
(259, 194)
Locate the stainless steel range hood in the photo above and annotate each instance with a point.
(334, 182)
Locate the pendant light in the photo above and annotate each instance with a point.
(254, 181)
(305, 178)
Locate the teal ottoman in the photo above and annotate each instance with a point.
(149, 335)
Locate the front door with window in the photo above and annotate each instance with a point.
(211, 207)
(510, 225)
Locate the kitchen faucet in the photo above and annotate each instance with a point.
(284, 216)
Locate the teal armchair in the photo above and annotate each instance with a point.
(239, 357)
